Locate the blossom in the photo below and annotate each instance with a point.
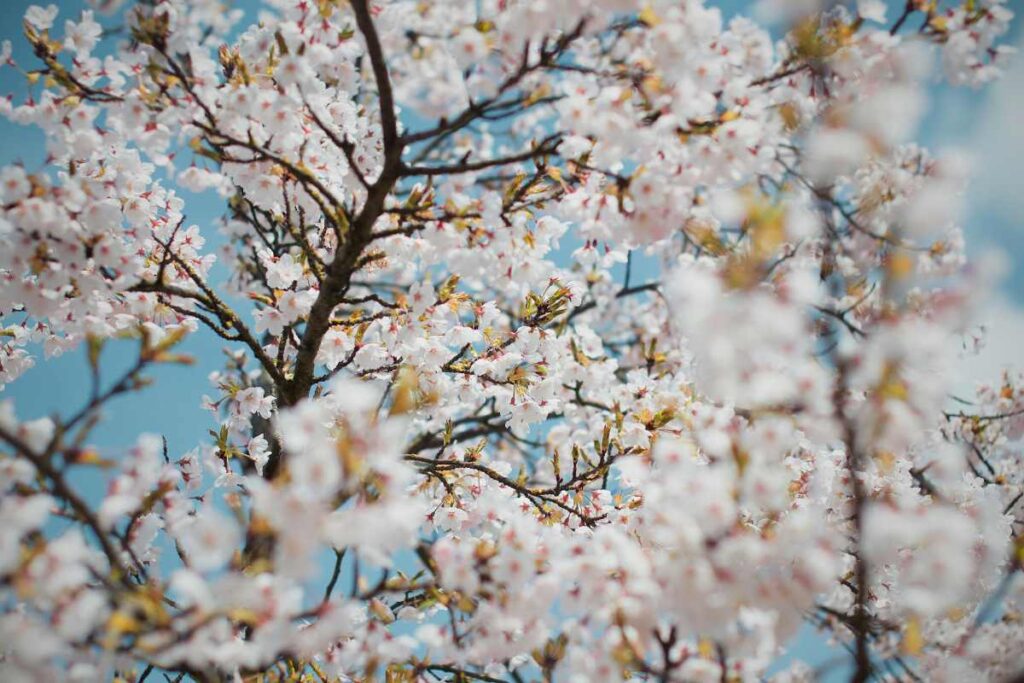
(41, 17)
(270, 320)
(14, 184)
(589, 341)
(259, 451)
(20, 516)
(83, 35)
(282, 271)
(872, 10)
(253, 400)
(209, 538)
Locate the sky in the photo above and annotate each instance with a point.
(986, 124)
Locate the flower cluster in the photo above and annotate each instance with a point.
(589, 341)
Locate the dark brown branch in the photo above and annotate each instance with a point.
(546, 147)
(66, 494)
(339, 273)
(389, 123)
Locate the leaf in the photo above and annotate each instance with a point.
(913, 640)
(649, 16)
(448, 288)
(381, 611)
(406, 391)
(95, 347)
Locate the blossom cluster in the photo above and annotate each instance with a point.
(591, 341)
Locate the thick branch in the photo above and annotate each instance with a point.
(380, 73)
(339, 273)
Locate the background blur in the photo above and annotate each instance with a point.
(987, 125)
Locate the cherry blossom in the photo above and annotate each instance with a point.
(588, 341)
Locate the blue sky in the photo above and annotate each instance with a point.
(987, 124)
